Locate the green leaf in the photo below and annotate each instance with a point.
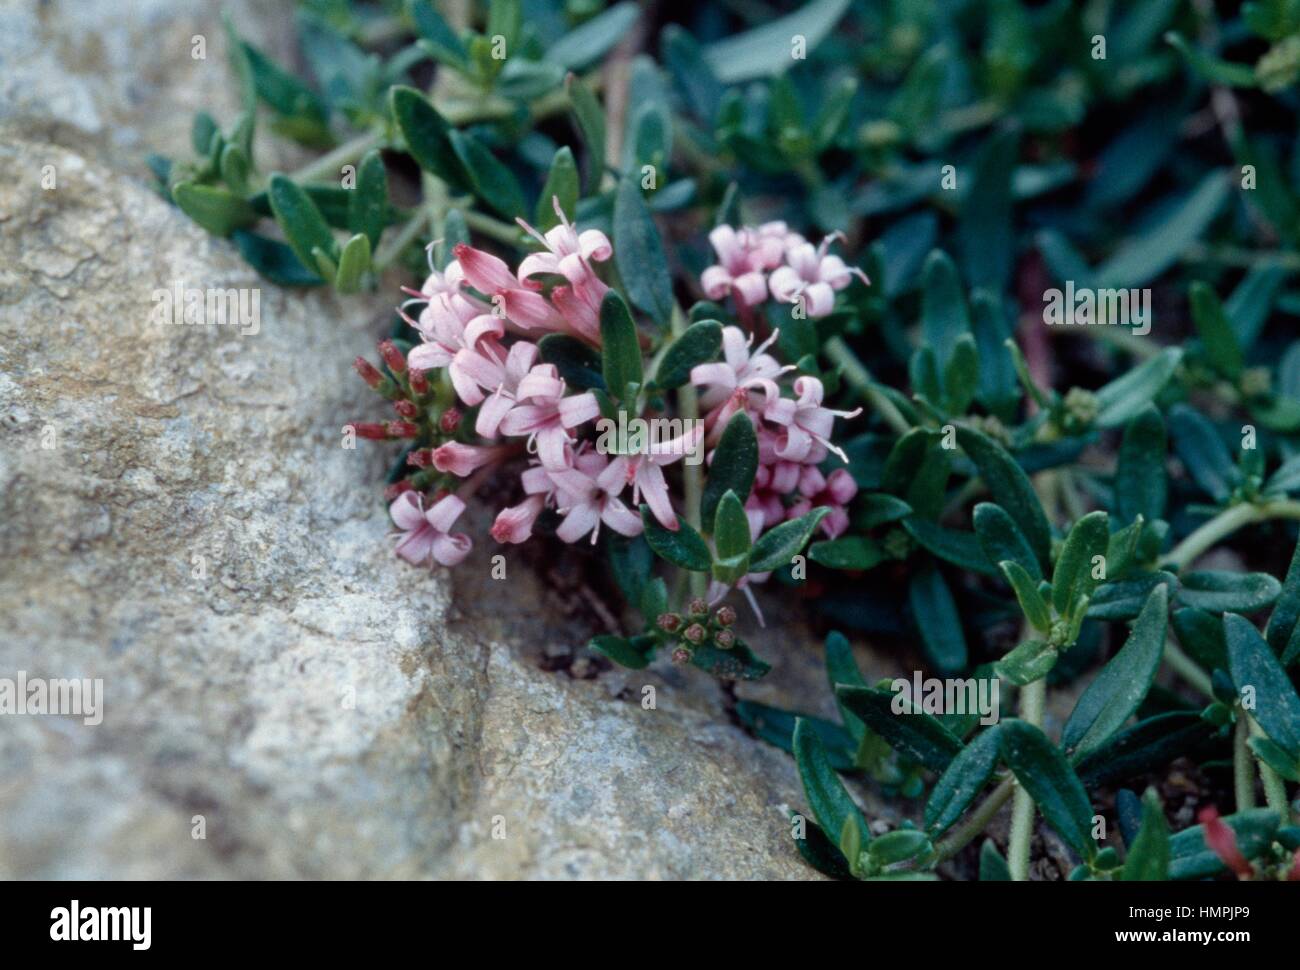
(620, 349)
(591, 121)
(1073, 575)
(635, 653)
(732, 539)
(1140, 480)
(274, 260)
(735, 462)
(917, 469)
(1203, 452)
(985, 235)
(491, 181)
(821, 853)
(589, 42)
(234, 168)
(287, 96)
(1191, 858)
(1148, 856)
(961, 376)
(1213, 69)
(1252, 664)
(1221, 591)
(966, 776)
(847, 552)
(1001, 539)
(1117, 691)
(911, 732)
(1010, 488)
(1145, 257)
(354, 263)
(1286, 611)
(952, 545)
(1276, 757)
(1124, 397)
(936, 616)
(427, 137)
(1030, 661)
(304, 227)
(639, 253)
(1287, 476)
(684, 57)
(1221, 346)
(578, 363)
(830, 802)
(368, 202)
(1123, 600)
(1201, 635)
(993, 867)
(736, 663)
(943, 307)
(776, 727)
(217, 210)
(841, 668)
(442, 41)
(699, 344)
(778, 546)
(1049, 780)
(682, 548)
(765, 51)
(1249, 305)
(561, 184)
(1148, 745)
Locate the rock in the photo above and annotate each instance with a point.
(178, 518)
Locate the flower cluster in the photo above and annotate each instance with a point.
(772, 259)
(478, 323)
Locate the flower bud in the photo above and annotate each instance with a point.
(393, 357)
(402, 429)
(397, 488)
(420, 458)
(406, 409)
(419, 381)
(669, 622)
(681, 655)
(699, 607)
(449, 421)
(369, 429)
(695, 633)
(368, 372)
(726, 616)
(725, 639)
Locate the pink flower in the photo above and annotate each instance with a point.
(738, 270)
(470, 350)
(728, 382)
(806, 423)
(833, 492)
(813, 275)
(644, 472)
(568, 252)
(586, 497)
(515, 524)
(426, 535)
(489, 275)
(519, 361)
(547, 416)
(463, 460)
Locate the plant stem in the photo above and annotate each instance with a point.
(689, 405)
(1274, 787)
(492, 227)
(1243, 777)
(856, 373)
(1188, 669)
(1032, 698)
(1226, 523)
(328, 165)
(976, 822)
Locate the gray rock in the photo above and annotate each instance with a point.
(178, 517)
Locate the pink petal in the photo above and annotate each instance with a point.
(406, 511)
(451, 550)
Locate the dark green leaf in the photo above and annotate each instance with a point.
(1219, 592)
(589, 42)
(1044, 773)
(620, 349)
(274, 260)
(966, 776)
(561, 184)
(304, 227)
(1030, 661)
(354, 263)
(911, 732)
(735, 462)
(591, 120)
(831, 804)
(578, 363)
(1074, 574)
(635, 653)
(217, 210)
(1001, 539)
(698, 345)
(765, 51)
(1148, 856)
(1252, 665)
(1147, 746)
(776, 727)
(639, 253)
(936, 616)
(1010, 487)
(1124, 397)
(1221, 346)
(1123, 600)
(985, 236)
(682, 548)
(1286, 612)
(847, 552)
(993, 867)
(368, 202)
(492, 182)
(943, 307)
(1117, 691)
(426, 134)
(778, 546)
(1191, 858)
(737, 663)
(1140, 480)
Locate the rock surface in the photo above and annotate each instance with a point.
(178, 517)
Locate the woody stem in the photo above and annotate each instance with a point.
(689, 405)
